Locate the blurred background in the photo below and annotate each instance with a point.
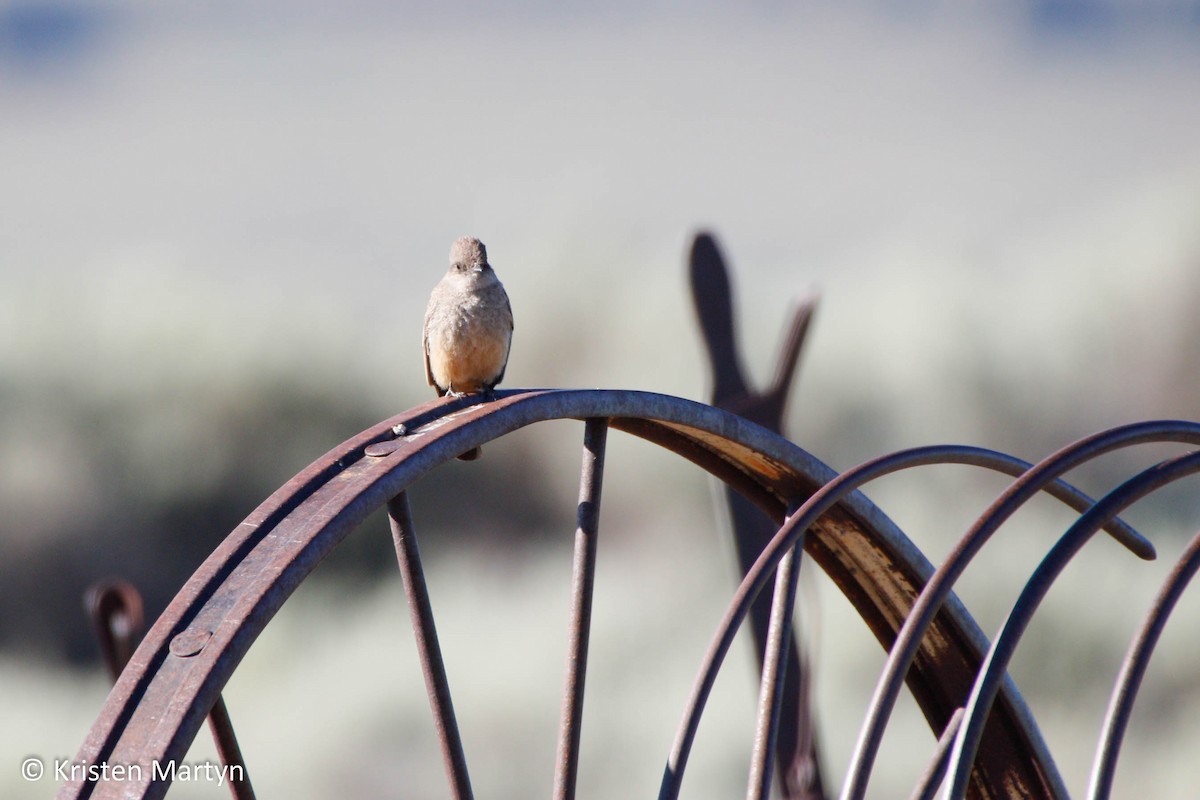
(219, 225)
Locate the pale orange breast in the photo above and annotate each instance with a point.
(466, 363)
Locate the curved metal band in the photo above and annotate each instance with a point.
(831, 493)
(909, 640)
(1004, 645)
(158, 704)
(1133, 669)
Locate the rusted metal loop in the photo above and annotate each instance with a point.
(1004, 645)
(837, 490)
(115, 608)
(938, 589)
(1133, 669)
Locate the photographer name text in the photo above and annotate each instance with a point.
(65, 770)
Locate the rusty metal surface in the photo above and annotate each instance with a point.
(583, 580)
(433, 667)
(115, 607)
(229, 752)
(161, 699)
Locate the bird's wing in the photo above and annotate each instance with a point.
(428, 370)
(425, 345)
(507, 313)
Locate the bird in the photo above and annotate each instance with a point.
(468, 327)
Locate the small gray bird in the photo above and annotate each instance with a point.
(468, 326)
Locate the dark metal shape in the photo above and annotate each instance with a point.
(1133, 670)
(404, 535)
(796, 747)
(1000, 653)
(939, 700)
(161, 699)
(583, 581)
(712, 295)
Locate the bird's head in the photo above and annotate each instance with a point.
(468, 255)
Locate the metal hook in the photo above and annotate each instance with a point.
(116, 609)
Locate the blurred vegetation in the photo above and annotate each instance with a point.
(144, 487)
(109, 477)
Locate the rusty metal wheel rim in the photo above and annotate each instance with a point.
(161, 699)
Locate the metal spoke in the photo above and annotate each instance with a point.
(230, 753)
(582, 582)
(774, 668)
(421, 610)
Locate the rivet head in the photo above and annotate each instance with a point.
(190, 642)
(381, 449)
